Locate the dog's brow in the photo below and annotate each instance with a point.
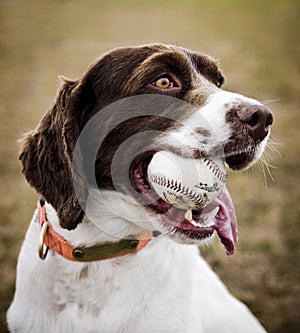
(207, 66)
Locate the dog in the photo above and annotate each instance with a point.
(102, 253)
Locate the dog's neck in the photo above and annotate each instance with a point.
(89, 234)
(110, 216)
(54, 241)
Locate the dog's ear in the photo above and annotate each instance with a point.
(47, 154)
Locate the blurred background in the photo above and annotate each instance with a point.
(257, 42)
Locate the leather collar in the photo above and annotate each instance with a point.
(50, 239)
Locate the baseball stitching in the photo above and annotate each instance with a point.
(178, 188)
(215, 170)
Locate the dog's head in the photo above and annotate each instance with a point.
(165, 98)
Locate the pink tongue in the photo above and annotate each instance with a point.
(226, 223)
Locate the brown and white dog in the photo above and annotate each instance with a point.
(88, 158)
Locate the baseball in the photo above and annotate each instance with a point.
(186, 183)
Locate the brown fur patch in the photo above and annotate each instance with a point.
(47, 152)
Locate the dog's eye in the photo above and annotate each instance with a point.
(163, 83)
(166, 83)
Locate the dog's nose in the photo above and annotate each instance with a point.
(257, 119)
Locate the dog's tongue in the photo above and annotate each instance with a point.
(226, 223)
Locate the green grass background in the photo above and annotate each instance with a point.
(258, 44)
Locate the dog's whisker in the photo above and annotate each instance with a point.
(272, 141)
(267, 155)
(264, 174)
(267, 166)
(261, 167)
(274, 149)
(270, 101)
(271, 148)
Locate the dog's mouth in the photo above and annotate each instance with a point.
(218, 215)
(238, 154)
(239, 161)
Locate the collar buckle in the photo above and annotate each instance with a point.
(43, 248)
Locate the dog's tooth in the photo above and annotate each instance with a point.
(189, 215)
(207, 219)
(195, 224)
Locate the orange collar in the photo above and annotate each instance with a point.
(50, 239)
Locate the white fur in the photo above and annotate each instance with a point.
(166, 287)
(210, 116)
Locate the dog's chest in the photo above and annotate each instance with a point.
(138, 293)
(166, 287)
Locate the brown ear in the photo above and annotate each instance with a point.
(47, 154)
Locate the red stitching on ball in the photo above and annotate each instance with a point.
(178, 188)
